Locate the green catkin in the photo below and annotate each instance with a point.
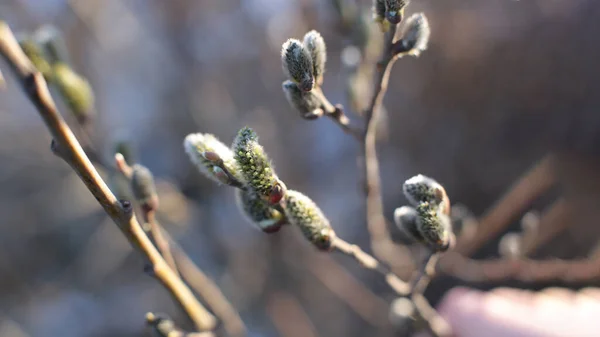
(303, 213)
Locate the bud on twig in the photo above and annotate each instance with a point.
(303, 213)
(256, 169)
(394, 10)
(259, 212)
(307, 103)
(143, 188)
(415, 35)
(405, 218)
(510, 246)
(208, 153)
(53, 44)
(314, 43)
(401, 313)
(435, 227)
(297, 64)
(36, 55)
(420, 189)
(75, 90)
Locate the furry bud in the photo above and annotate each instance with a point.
(143, 188)
(434, 227)
(75, 90)
(405, 218)
(256, 169)
(420, 189)
(303, 213)
(200, 146)
(259, 212)
(314, 43)
(401, 312)
(394, 10)
(53, 43)
(510, 246)
(307, 103)
(297, 64)
(36, 55)
(415, 34)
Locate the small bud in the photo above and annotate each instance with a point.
(143, 188)
(36, 55)
(510, 246)
(530, 223)
(415, 35)
(53, 43)
(405, 218)
(259, 212)
(256, 169)
(302, 212)
(435, 227)
(401, 312)
(420, 189)
(198, 145)
(212, 157)
(307, 103)
(314, 43)
(395, 10)
(221, 176)
(75, 90)
(297, 64)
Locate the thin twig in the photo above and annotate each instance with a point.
(337, 114)
(571, 271)
(348, 289)
(553, 221)
(435, 324)
(371, 263)
(67, 145)
(288, 316)
(208, 291)
(149, 216)
(530, 186)
(165, 327)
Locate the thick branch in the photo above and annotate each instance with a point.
(121, 213)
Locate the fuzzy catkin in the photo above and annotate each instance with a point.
(304, 102)
(297, 64)
(255, 166)
(434, 227)
(75, 90)
(315, 45)
(258, 211)
(415, 34)
(303, 213)
(197, 145)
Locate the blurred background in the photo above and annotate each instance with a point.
(502, 84)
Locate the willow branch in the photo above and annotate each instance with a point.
(369, 262)
(434, 323)
(68, 147)
(553, 221)
(165, 327)
(530, 186)
(526, 270)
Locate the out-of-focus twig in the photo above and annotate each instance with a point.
(436, 324)
(553, 221)
(348, 289)
(369, 262)
(525, 270)
(530, 186)
(289, 317)
(68, 148)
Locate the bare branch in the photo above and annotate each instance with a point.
(121, 212)
(530, 186)
(369, 262)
